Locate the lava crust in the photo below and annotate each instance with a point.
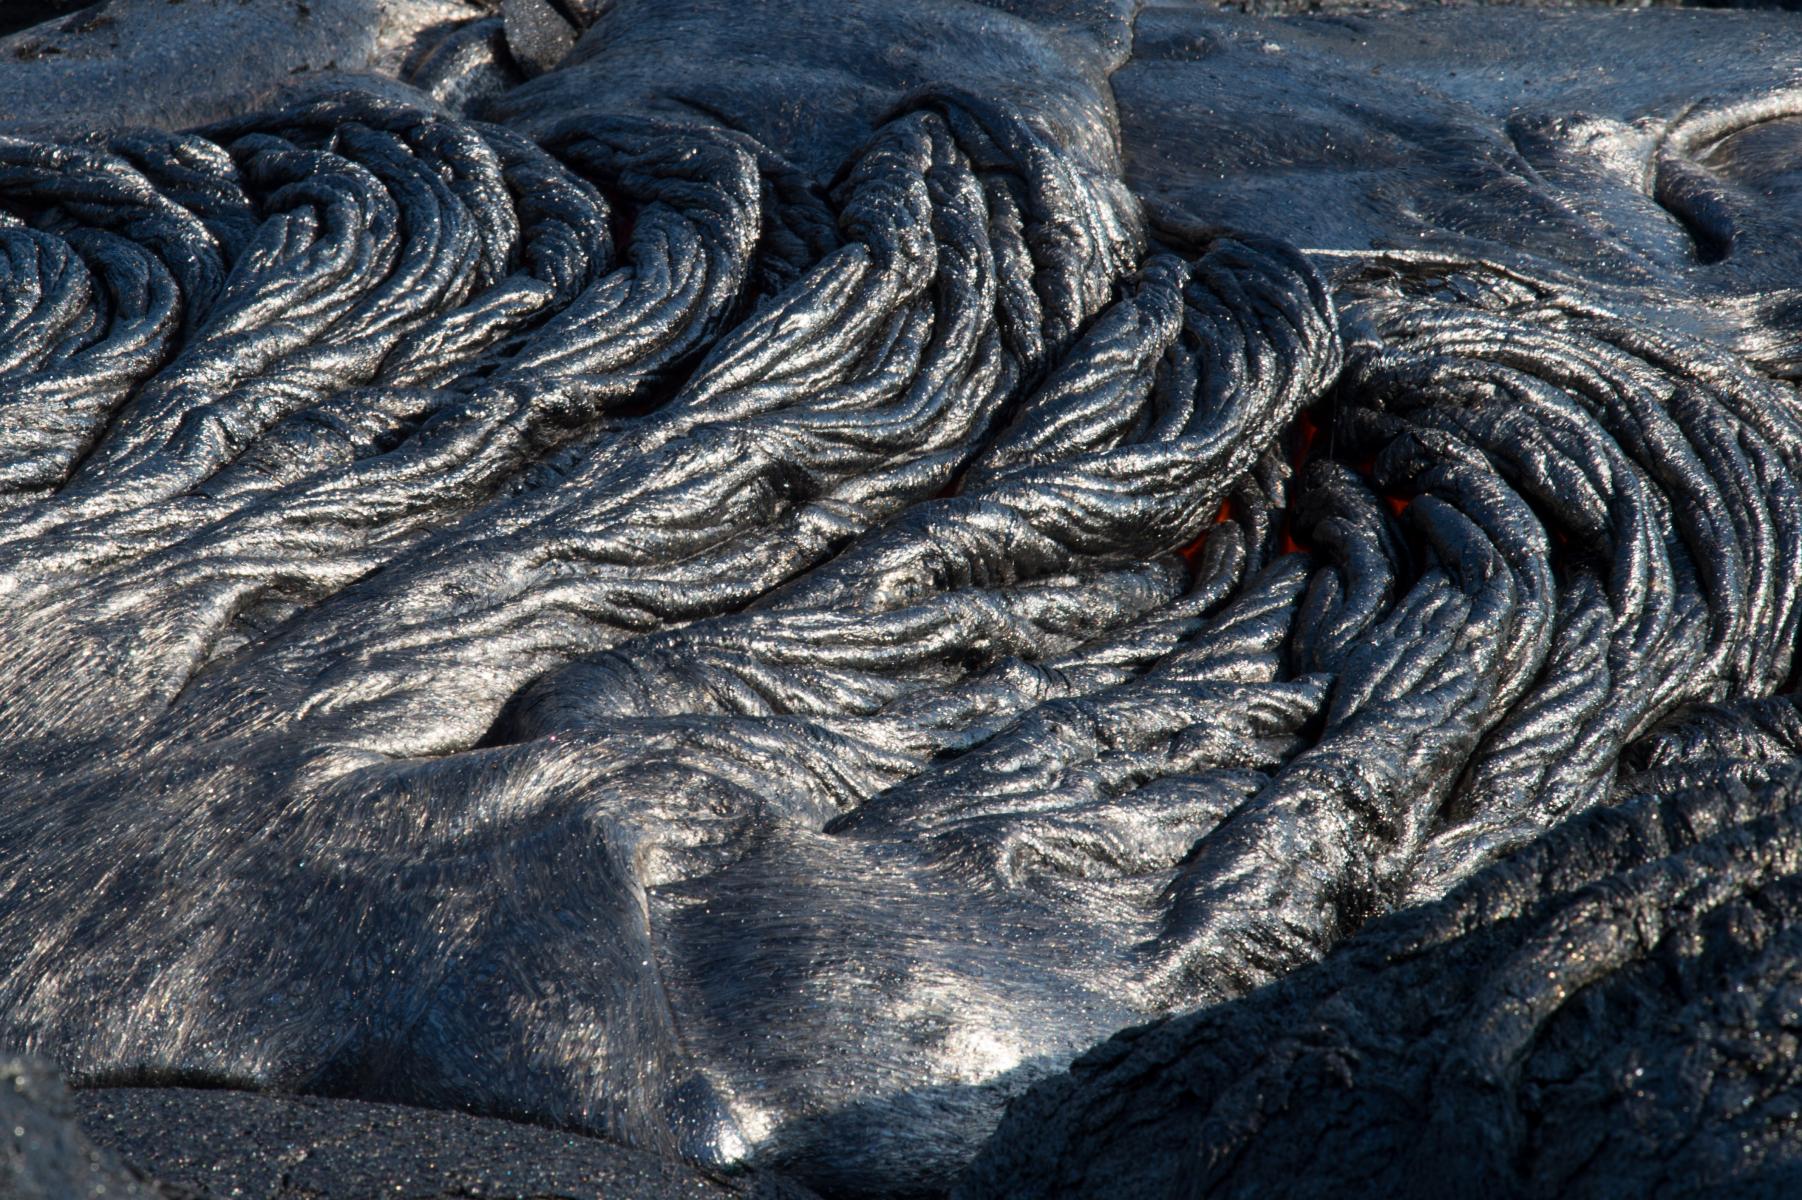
(756, 592)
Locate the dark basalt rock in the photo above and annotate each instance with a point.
(1611, 1012)
(755, 593)
(44, 1154)
(22, 14)
(207, 1144)
(176, 63)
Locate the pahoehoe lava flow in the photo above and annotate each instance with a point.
(759, 584)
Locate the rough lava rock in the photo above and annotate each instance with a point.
(1611, 1012)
